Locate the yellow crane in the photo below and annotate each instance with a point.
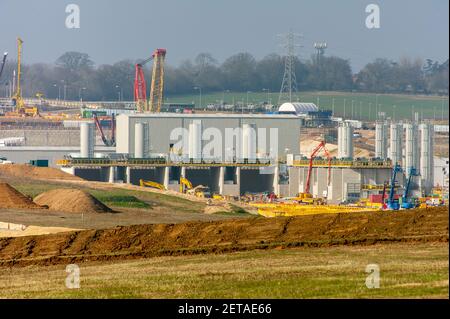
(17, 98)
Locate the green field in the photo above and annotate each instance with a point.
(406, 271)
(364, 105)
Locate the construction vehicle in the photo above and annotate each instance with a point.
(200, 191)
(112, 140)
(392, 203)
(306, 197)
(186, 187)
(157, 85)
(3, 63)
(408, 203)
(144, 183)
(20, 109)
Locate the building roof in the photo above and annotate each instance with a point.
(207, 115)
(298, 108)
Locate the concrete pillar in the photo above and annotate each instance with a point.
(166, 176)
(128, 175)
(276, 180)
(111, 174)
(221, 179)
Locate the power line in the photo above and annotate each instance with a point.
(289, 83)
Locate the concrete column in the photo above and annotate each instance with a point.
(166, 176)
(111, 174)
(128, 175)
(276, 180)
(221, 179)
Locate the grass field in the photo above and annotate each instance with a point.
(116, 197)
(363, 104)
(406, 270)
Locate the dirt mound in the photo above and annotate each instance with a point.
(71, 201)
(143, 241)
(12, 198)
(33, 172)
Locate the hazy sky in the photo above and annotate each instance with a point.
(112, 30)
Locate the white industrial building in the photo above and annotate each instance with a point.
(164, 130)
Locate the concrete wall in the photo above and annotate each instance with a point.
(24, 154)
(49, 137)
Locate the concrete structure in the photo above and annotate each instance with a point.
(346, 184)
(381, 140)
(276, 134)
(141, 140)
(411, 148)
(23, 154)
(195, 140)
(395, 145)
(426, 158)
(345, 140)
(87, 140)
(249, 141)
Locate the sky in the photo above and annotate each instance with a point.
(113, 30)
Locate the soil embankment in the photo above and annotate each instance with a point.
(143, 241)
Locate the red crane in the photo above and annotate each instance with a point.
(112, 140)
(157, 84)
(319, 147)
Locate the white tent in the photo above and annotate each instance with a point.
(297, 108)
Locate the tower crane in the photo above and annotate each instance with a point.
(306, 196)
(157, 84)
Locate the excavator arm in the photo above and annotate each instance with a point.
(144, 183)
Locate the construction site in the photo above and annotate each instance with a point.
(102, 182)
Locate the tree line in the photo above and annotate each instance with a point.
(74, 76)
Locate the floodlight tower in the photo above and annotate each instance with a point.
(320, 50)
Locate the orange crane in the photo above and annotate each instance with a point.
(306, 196)
(157, 85)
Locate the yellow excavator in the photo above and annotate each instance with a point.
(144, 183)
(198, 191)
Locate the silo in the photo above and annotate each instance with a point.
(141, 140)
(195, 140)
(426, 157)
(380, 140)
(411, 148)
(396, 143)
(345, 140)
(87, 140)
(249, 141)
